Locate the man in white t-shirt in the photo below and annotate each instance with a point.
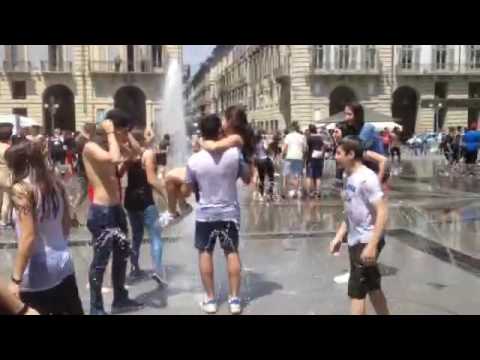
(366, 212)
(294, 149)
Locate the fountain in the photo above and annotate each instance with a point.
(173, 116)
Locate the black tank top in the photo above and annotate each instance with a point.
(138, 195)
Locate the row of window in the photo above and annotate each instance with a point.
(17, 56)
(269, 126)
(345, 56)
(442, 56)
(261, 63)
(255, 102)
(409, 56)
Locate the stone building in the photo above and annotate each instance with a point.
(69, 85)
(426, 86)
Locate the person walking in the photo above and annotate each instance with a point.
(364, 227)
(294, 149)
(43, 274)
(315, 161)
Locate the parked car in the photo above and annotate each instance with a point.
(425, 138)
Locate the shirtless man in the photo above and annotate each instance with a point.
(106, 218)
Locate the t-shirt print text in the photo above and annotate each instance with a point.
(350, 191)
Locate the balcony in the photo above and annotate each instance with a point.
(123, 67)
(435, 69)
(355, 60)
(17, 67)
(64, 67)
(471, 68)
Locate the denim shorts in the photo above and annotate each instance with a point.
(293, 167)
(207, 233)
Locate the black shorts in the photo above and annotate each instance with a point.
(471, 157)
(363, 279)
(63, 299)
(207, 233)
(315, 168)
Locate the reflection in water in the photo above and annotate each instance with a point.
(293, 216)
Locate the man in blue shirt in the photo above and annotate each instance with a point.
(471, 142)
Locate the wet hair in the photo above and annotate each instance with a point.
(352, 144)
(237, 120)
(6, 132)
(25, 160)
(166, 137)
(138, 134)
(210, 126)
(119, 118)
(358, 114)
(312, 129)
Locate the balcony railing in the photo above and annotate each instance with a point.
(438, 69)
(351, 61)
(124, 67)
(63, 67)
(17, 66)
(471, 68)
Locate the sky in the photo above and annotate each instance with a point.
(196, 54)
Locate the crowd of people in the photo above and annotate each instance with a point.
(43, 275)
(294, 162)
(461, 144)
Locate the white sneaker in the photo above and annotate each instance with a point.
(167, 218)
(342, 279)
(209, 306)
(235, 305)
(292, 194)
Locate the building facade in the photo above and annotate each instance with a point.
(426, 87)
(66, 86)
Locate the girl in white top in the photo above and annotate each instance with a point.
(43, 273)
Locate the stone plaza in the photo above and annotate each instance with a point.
(430, 266)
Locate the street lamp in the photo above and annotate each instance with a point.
(52, 108)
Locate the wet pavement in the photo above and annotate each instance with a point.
(431, 264)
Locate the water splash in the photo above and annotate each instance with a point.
(172, 120)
